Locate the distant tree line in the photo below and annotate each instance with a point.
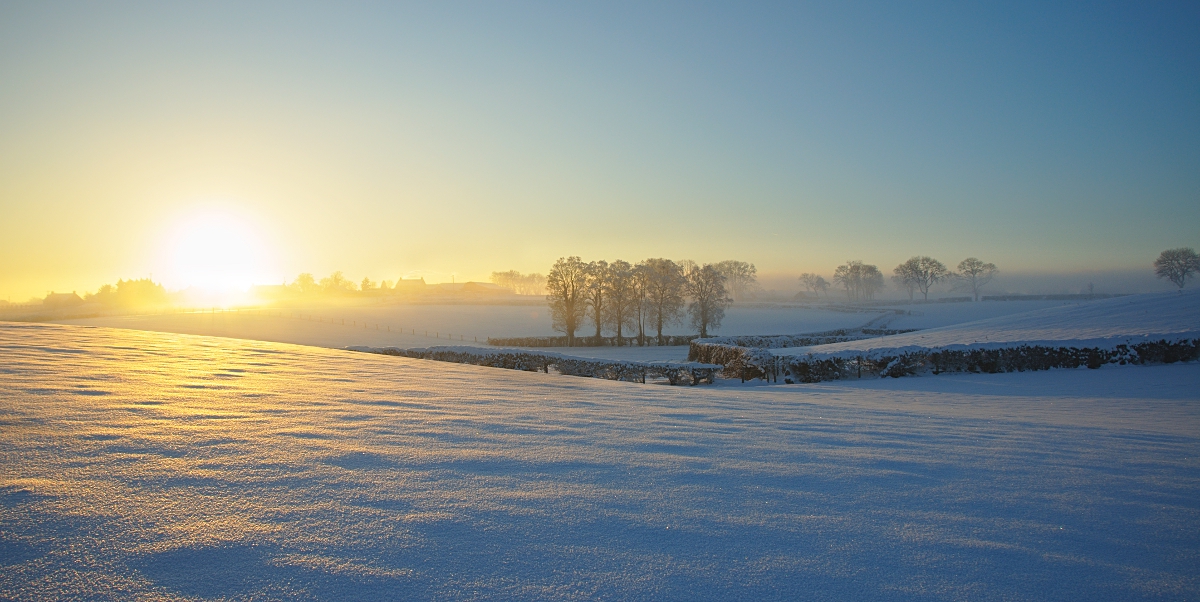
(521, 284)
(921, 273)
(861, 281)
(642, 298)
(142, 292)
(337, 284)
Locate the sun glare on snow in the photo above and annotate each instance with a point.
(217, 253)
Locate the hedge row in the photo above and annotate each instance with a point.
(816, 368)
(515, 359)
(591, 341)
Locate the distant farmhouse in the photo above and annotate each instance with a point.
(62, 300)
(410, 285)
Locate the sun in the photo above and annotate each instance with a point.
(217, 253)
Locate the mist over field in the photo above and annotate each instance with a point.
(599, 301)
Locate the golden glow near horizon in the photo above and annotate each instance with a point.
(218, 253)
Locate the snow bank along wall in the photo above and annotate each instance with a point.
(591, 341)
(541, 361)
(1139, 329)
(749, 363)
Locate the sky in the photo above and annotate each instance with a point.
(191, 142)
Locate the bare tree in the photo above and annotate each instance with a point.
(565, 287)
(664, 293)
(306, 284)
(1177, 265)
(920, 274)
(509, 280)
(686, 266)
(872, 281)
(741, 278)
(860, 280)
(337, 283)
(847, 276)
(532, 284)
(596, 292)
(973, 274)
(814, 283)
(706, 287)
(521, 284)
(622, 297)
(905, 279)
(641, 291)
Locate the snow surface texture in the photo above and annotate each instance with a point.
(1103, 324)
(136, 465)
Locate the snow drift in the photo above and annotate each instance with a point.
(1137, 329)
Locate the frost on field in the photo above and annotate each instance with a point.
(158, 466)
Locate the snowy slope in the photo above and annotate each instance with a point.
(937, 315)
(1101, 323)
(138, 465)
(319, 327)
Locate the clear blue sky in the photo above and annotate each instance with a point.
(466, 138)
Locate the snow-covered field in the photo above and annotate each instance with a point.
(406, 326)
(284, 327)
(1102, 323)
(138, 465)
(936, 315)
(466, 321)
(380, 326)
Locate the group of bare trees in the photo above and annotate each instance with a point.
(649, 296)
(335, 283)
(861, 281)
(814, 283)
(521, 284)
(920, 273)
